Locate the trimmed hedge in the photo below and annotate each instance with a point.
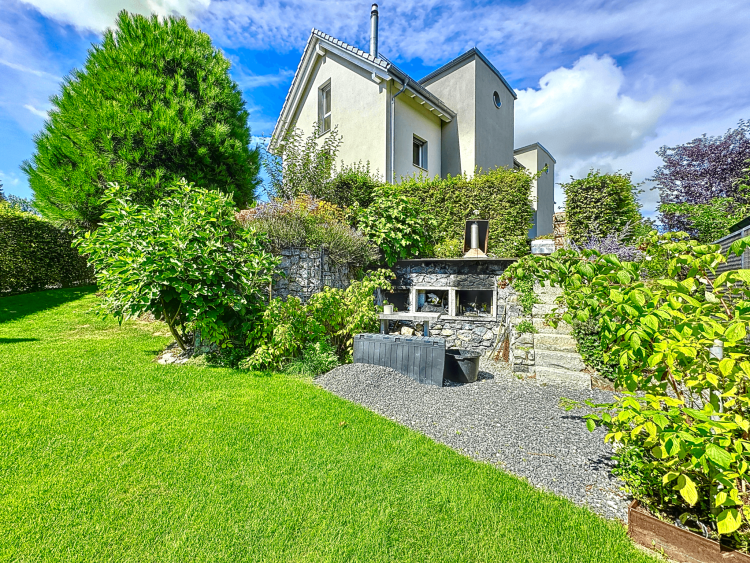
(34, 254)
(503, 196)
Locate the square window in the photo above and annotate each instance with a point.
(324, 108)
(419, 153)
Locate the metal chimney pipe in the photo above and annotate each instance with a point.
(374, 31)
(474, 235)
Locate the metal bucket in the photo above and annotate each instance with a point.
(462, 366)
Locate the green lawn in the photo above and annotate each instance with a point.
(108, 456)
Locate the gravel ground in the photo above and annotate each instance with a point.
(516, 425)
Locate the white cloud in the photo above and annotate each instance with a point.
(28, 70)
(580, 112)
(249, 81)
(98, 15)
(39, 112)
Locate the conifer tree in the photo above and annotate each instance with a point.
(154, 103)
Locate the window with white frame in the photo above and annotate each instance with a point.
(419, 152)
(324, 107)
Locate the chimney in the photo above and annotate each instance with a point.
(374, 31)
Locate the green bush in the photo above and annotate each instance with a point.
(352, 184)
(449, 248)
(681, 347)
(154, 103)
(35, 254)
(601, 204)
(709, 221)
(306, 222)
(502, 196)
(398, 224)
(317, 358)
(332, 316)
(589, 345)
(185, 259)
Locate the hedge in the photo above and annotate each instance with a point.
(35, 254)
(503, 196)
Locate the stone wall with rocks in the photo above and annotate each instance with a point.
(307, 271)
(482, 333)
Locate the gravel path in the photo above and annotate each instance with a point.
(517, 425)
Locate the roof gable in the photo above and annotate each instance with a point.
(532, 146)
(471, 53)
(379, 67)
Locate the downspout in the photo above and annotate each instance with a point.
(393, 129)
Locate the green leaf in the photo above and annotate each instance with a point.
(718, 455)
(687, 489)
(728, 521)
(735, 332)
(591, 425)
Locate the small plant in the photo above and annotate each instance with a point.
(526, 327)
(526, 296)
(317, 358)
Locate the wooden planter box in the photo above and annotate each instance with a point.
(678, 544)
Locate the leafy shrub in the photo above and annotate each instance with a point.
(35, 254)
(685, 441)
(184, 259)
(707, 222)
(333, 316)
(502, 196)
(397, 223)
(352, 184)
(449, 248)
(589, 345)
(154, 103)
(302, 166)
(306, 222)
(317, 358)
(600, 204)
(526, 327)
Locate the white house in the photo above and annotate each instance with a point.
(455, 120)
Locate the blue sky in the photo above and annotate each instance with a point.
(601, 83)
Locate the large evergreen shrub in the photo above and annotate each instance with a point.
(154, 103)
(503, 196)
(35, 254)
(601, 204)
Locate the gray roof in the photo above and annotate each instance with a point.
(462, 58)
(534, 146)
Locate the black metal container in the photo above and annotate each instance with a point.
(419, 357)
(462, 366)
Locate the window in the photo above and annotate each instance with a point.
(496, 99)
(419, 153)
(324, 108)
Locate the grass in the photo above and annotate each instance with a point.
(108, 456)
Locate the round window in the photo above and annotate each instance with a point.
(496, 99)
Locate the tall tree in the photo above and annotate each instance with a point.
(154, 103)
(701, 171)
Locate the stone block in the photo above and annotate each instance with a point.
(567, 378)
(558, 342)
(560, 360)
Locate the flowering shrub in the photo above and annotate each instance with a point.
(681, 342)
(306, 222)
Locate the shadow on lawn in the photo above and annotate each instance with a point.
(14, 340)
(15, 307)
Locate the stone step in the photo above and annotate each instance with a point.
(564, 377)
(554, 341)
(559, 360)
(547, 295)
(562, 328)
(542, 309)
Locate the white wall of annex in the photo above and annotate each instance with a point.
(457, 89)
(494, 126)
(358, 108)
(413, 119)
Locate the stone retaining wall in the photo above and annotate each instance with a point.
(307, 271)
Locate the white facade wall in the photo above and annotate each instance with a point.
(358, 108)
(494, 126)
(413, 119)
(456, 89)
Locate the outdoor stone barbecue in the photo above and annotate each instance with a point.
(464, 290)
